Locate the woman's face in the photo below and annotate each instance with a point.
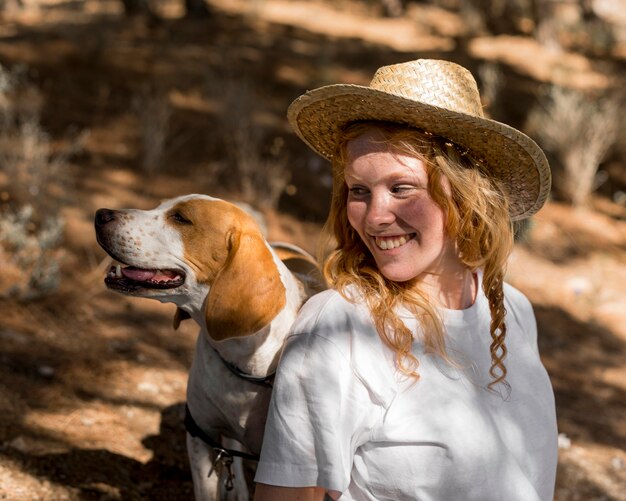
(390, 208)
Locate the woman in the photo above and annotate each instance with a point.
(417, 376)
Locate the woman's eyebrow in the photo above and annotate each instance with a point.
(409, 177)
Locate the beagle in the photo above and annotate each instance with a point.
(210, 258)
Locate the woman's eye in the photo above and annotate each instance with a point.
(179, 218)
(401, 189)
(357, 191)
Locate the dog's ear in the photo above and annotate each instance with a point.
(179, 316)
(247, 292)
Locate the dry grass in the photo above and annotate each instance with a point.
(579, 131)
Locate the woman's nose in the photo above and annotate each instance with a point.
(380, 211)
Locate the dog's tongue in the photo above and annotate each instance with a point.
(138, 274)
(141, 275)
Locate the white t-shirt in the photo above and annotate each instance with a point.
(342, 418)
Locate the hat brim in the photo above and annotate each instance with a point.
(509, 155)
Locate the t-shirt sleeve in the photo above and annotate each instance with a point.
(522, 310)
(318, 415)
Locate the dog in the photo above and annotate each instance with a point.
(210, 258)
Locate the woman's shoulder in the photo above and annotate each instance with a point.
(334, 331)
(327, 308)
(516, 300)
(331, 318)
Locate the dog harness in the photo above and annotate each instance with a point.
(224, 457)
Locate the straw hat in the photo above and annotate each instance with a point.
(439, 97)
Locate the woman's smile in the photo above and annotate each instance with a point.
(392, 242)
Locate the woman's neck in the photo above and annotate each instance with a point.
(454, 290)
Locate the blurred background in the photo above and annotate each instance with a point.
(122, 103)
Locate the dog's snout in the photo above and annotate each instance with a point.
(104, 216)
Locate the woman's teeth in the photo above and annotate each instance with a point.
(391, 243)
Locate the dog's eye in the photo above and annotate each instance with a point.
(179, 218)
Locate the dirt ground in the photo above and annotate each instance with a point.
(92, 383)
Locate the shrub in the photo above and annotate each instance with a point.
(30, 253)
(154, 113)
(31, 192)
(255, 157)
(578, 131)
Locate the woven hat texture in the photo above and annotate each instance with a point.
(439, 97)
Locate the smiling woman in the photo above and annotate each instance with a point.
(448, 209)
(418, 376)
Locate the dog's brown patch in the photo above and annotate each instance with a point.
(225, 247)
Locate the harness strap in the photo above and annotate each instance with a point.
(267, 381)
(195, 431)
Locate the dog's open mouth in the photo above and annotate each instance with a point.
(131, 278)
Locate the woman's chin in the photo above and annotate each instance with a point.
(397, 273)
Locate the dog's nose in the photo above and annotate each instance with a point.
(104, 216)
